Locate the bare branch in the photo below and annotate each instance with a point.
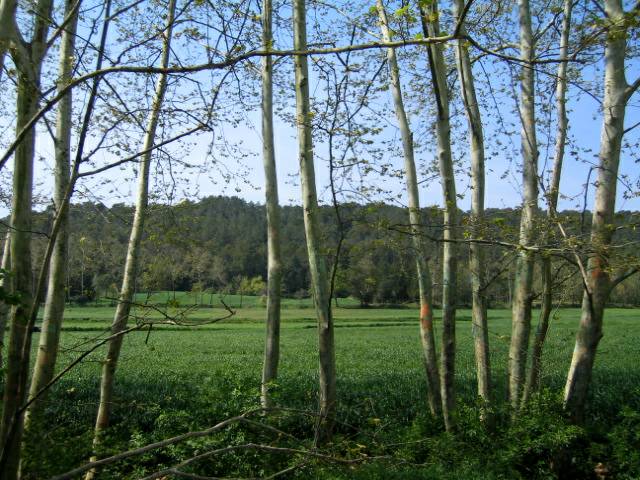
(141, 153)
(154, 446)
(623, 276)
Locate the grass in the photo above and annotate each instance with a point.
(173, 380)
(216, 300)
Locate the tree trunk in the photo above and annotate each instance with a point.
(274, 266)
(317, 263)
(7, 28)
(10, 434)
(598, 283)
(422, 265)
(28, 61)
(521, 309)
(133, 249)
(6, 285)
(533, 380)
(479, 327)
(430, 26)
(55, 300)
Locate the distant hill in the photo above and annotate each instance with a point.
(219, 244)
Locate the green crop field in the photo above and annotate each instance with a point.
(175, 379)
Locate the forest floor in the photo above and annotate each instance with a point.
(174, 379)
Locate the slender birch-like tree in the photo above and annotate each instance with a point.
(479, 327)
(523, 285)
(5, 284)
(28, 59)
(422, 265)
(317, 262)
(598, 279)
(274, 261)
(54, 305)
(133, 250)
(533, 378)
(431, 28)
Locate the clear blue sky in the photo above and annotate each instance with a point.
(502, 174)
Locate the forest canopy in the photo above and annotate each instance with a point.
(217, 245)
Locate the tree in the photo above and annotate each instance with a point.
(274, 267)
(422, 266)
(553, 192)
(5, 286)
(317, 263)
(133, 251)
(54, 305)
(523, 289)
(598, 281)
(28, 59)
(431, 27)
(479, 326)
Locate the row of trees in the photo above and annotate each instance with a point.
(151, 75)
(199, 247)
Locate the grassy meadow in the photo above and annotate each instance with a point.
(175, 379)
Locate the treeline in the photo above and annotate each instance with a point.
(218, 244)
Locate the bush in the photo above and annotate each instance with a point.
(625, 444)
(80, 300)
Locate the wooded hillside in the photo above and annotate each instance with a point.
(218, 244)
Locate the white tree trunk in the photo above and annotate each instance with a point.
(10, 433)
(54, 304)
(28, 61)
(424, 277)
(479, 327)
(599, 282)
(430, 25)
(533, 380)
(523, 286)
(317, 263)
(5, 283)
(133, 249)
(274, 266)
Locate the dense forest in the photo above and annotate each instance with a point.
(218, 245)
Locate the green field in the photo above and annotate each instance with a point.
(175, 379)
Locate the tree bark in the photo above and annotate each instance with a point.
(274, 262)
(317, 263)
(21, 277)
(133, 249)
(533, 380)
(523, 286)
(430, 25)
(6, 284)
(55, 300)
(422, 266)
(7, 28)
(598, 283)
(479, 325)
(28, 61)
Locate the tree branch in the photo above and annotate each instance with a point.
(232, 61)
(623, 276)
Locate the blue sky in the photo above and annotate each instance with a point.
(501, 191)
(503, 177)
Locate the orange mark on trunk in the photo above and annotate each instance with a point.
(425, 317)
(598, 271)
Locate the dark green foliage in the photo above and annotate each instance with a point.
(6, 296)
(215, 244)
(625, 443)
